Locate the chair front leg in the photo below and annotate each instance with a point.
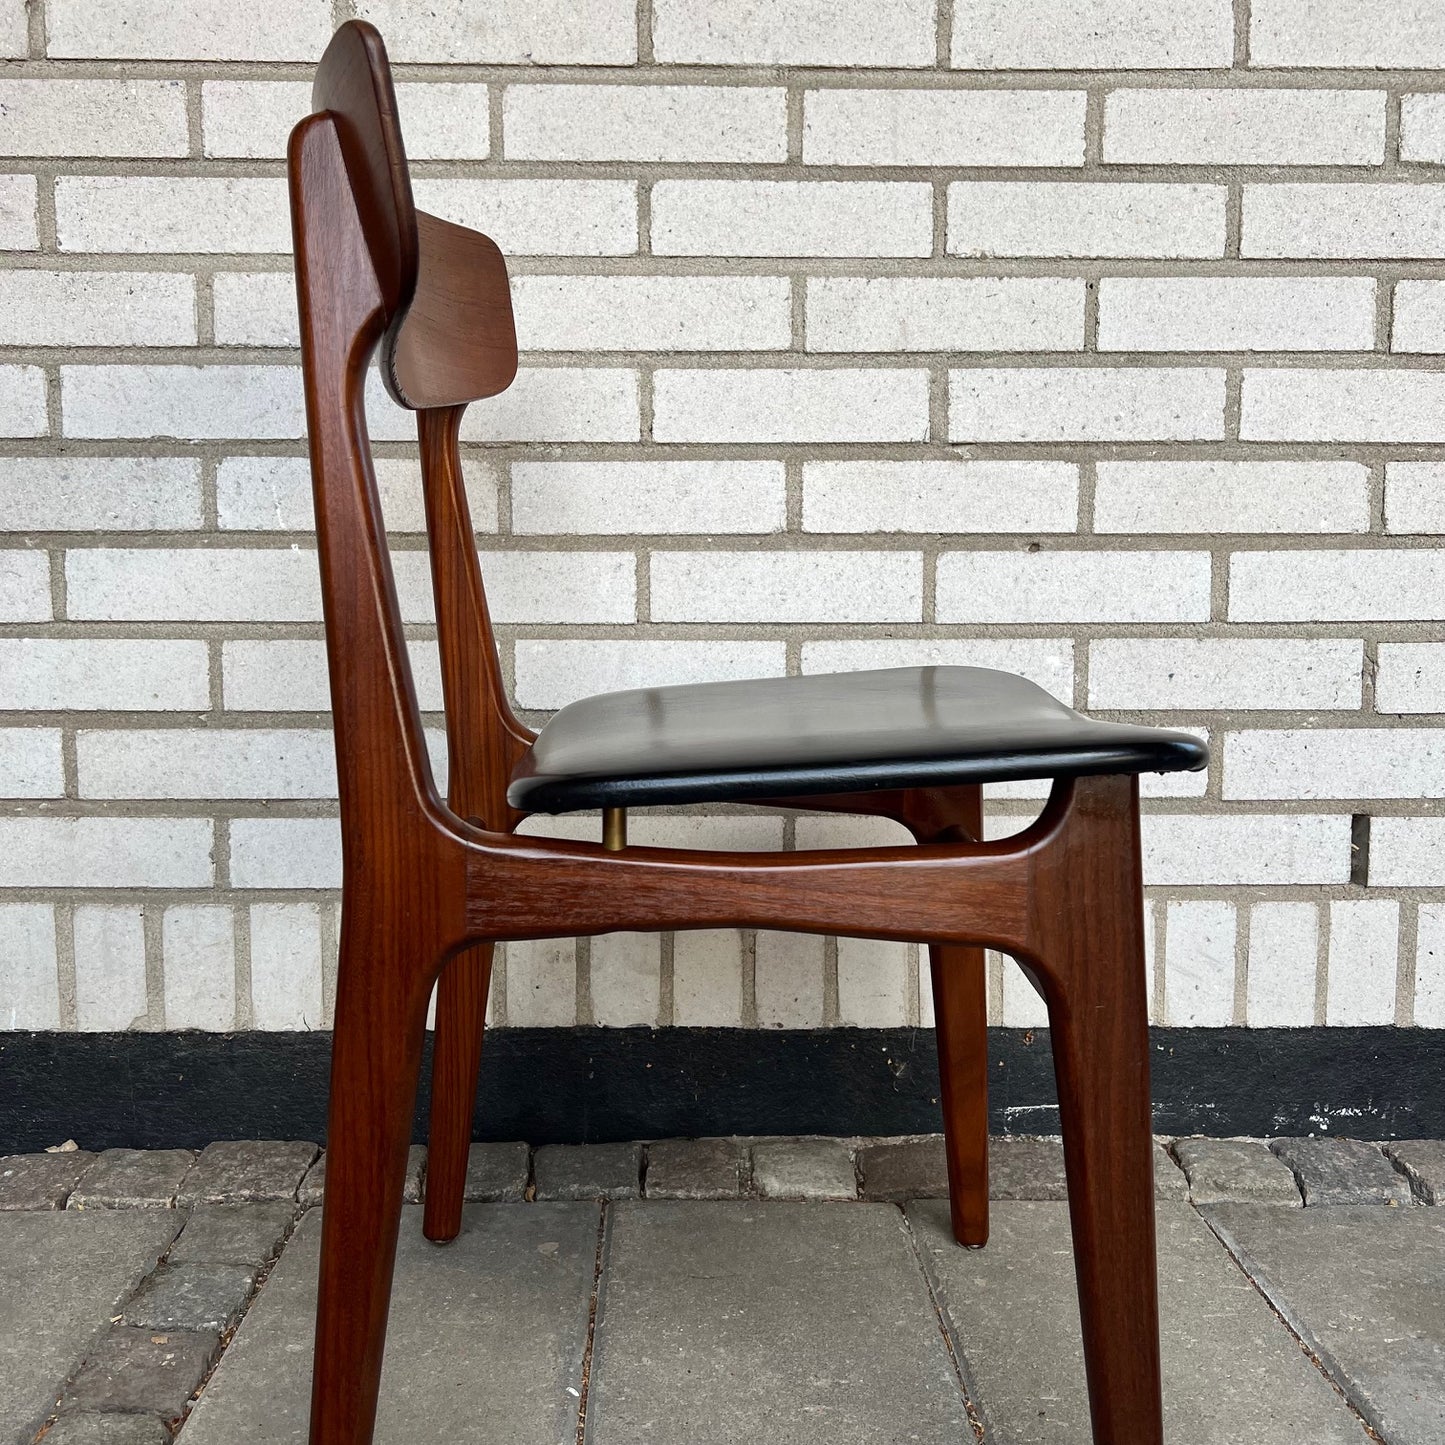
(456, 1057)
(1090, 941)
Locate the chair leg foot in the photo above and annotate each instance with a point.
(960, 1006)
(456, 1057)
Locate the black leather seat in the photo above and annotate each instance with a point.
(842, 732)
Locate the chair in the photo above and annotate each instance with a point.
(430, 885)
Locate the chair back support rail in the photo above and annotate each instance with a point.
(429, 884)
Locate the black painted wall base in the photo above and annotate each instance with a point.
(153, 1090)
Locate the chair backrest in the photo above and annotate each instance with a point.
(372, 270)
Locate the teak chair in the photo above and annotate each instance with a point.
(429, 886)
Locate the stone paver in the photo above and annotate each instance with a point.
(142, 1371)
(485, 1344)
(1342, 1171)
(497, 1173)
(1233, 1375)
(805, 1323)
(41, 1181)
(1169, 1180)
(248, 1234)
(191, 1297)
(133, 1179)
(804, 1169)
(312, 1189)
(696, 1169)
(588, 1171)
(1363, 1288)
(899, 1169)
(62, 1277)
(241, 1171)
(108, 1430)
(1021, 1167)
(1423, 1162)
(1236, 1169)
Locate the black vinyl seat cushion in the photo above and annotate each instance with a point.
(843, 732)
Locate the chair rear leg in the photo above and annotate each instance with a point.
(456, 1057)
(960, 1007)
(1099, 1022)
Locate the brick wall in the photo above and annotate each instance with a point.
(1098, 340)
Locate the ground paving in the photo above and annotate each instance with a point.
(760, 1289)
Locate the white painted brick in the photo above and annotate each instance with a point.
(551, 672)
(286, 966)
(93, 118)
(256, 308)
(172, 213)
(18, 224)
(1047, 662)
(101, 494)
(106, 853)
(1374, 586)
(291, 676)
(1343, 220)
(189, 30)
(545, 32)
(791, 586)
(789, 980)
(1415, 497)
(1245, 127)
(1405, 33)
(206, 763)
(848, 127)
(555, 587)
(707, 978)
(1084, 218)
(652, 313)
(1092, 35)
(626, 978)
(1364, 961)
(552, 498)
(792, 218)
(794, 32)
(1410, 677)
(52, 674)
(286, 853)
(1199, 963)
(544, 404)
(872, 983)
(542, 983)
(1215, 497)
(1304, 404)
(14, 28)
(31, 998)
(1336, 763)
(1422, 128)
(199, 947)
(1283, 962)
(1419, 317)
(542, 217)
(1022, 1006)
(962, 313)
(1430, 967)
(24, 586)
(162, 584)
(1236, 313)
(190, 402)
(1085, 403)
(1407, 852)
(1182, 849)
(1210, 673)
(732, 832)
(1026, 586)
(843, 830)
(110, 969)
(252, 119)
(766, 405)
(740, 124)
(30, 765)
(22, 402)
(952, 496)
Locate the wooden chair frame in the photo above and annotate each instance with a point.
(430, 886)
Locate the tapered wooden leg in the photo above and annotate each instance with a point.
(960, 1007)
(1092, 914)
(382, 988)
(456, 1056)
